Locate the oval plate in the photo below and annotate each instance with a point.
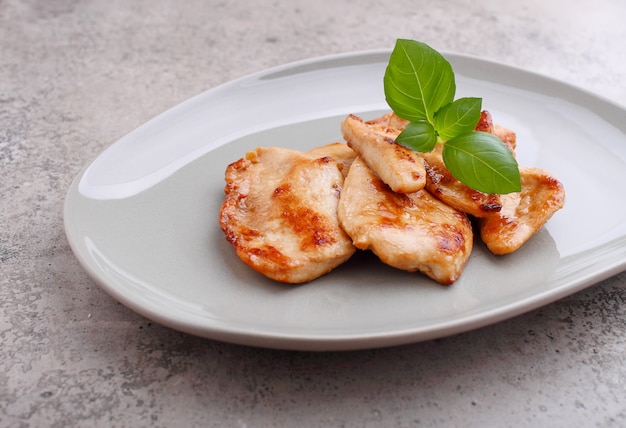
(142, 218)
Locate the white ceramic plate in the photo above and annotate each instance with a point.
(142, 218)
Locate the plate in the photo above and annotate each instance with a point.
(142, 218)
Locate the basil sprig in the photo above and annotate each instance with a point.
(420, 87)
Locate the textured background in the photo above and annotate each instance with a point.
(77, 75)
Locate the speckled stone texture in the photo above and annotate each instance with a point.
(77, 75)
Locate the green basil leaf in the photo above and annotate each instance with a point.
(458, 117)
(483, 162)
(418, 136)
(418, 81)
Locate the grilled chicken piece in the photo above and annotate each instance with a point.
(412, 232)
(522, 213)
(401, 168)
(442, 184)
(340, 152)
(280, 214)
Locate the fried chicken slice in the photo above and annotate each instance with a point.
(399, 167)
(412, 232)
(522, 213)
(280, 214)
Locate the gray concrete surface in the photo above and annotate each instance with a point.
(77, 75)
